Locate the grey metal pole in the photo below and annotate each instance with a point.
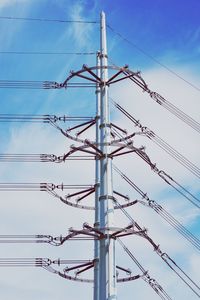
(97, 187)
(107, 265)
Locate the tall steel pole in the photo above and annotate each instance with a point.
(97, 186)
(107, 266)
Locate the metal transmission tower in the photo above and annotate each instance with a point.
(110, 141)
(107, 269)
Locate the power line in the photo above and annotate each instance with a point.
(47, 20)
(30, 158)
(24, 84)
(46, 53)
(41, 239)
(108, 200)
(159, 210)
(165, 103)
(41, 118)
(138, 80)
(44, 158)
(153, 59)
(174, 110)
(86, 123)
(162, 174)
(151, 281)
(160, 142)
(165, 257)
(45, 85)
(49, 265)
(40, 186)
(51, 188)
(180, 189)
(169, 180)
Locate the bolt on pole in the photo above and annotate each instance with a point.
(107, 266)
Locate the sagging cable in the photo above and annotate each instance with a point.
(160, 142)
(146, 277)
(166, 258)
(160, 211)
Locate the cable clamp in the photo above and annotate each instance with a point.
(103, 125)
(106, 197)
(101, 55)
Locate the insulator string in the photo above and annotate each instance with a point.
(175, 110)
(152, 282)
(41, 118)
(164, 176)
(165, 256)
(45, 158)
(48, 187)
(161, 211)
(48, 239)
(167, 105)
(160, 142)
(37, 262)
(46, 85)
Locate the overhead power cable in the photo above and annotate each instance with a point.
(165, 103)
(174, 110)
(48, 187)
(52, 266)
(178, 187)
(146, 277)
(47, 20)
(153, 58)
(41, 118)
(22, 262)
(161, 211)
(160, 142)
(41, 158)
(162, 174)
(40, 239)
(173, 222)
(46, 53)
(36, 262)
(29, 158)
(24, 84)
(169, 180)
(81, 123)
(47, 264)
(84, 190)
(167, 259)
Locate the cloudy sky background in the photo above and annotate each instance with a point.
(168, 31)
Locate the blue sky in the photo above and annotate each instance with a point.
(145, 35)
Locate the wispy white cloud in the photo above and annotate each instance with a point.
(80, 33)
(8, 31)
(35, 208)
(37, 213)
(8, 3)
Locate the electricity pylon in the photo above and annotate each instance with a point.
(107, 268)
(105, 231)
(110, 141)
